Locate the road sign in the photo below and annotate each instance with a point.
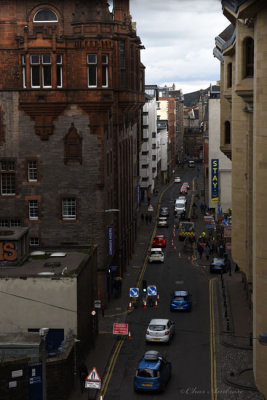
(134, 292)
(97, 303)
(152, 290)
(93, 376)
(120, 329)
(92, 385)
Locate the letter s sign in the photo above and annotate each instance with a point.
(8, 251)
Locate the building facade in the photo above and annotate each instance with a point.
(242, 50)
(71, 91)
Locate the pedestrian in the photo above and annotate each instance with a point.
(142, 217)
(83, 373)
(200, 250)
(207, 251)
(150, 218)
(146, 218)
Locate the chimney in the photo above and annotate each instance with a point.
(121, 11)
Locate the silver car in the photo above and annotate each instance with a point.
(163, 222)
(160, 330)
(156, 255)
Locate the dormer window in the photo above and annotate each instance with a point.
(45, 15)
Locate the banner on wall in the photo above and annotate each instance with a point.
(215, 180)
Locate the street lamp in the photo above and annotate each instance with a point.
(43, 333)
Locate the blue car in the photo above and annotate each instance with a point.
(153, 372)
(181, 300)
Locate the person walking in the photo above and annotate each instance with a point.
(207, 251)
(200, 250)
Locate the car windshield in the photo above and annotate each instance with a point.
(157, 327)
(155, 252)
(180, 298)
(159, 239)
(147, 373)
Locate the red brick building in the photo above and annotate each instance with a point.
(71, 90)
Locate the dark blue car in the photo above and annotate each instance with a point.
(181, 300)
(153, 372)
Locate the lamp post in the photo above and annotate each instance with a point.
(43, 333)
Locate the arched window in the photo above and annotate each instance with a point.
(72, 146)
(45, 15)
(227, 132)
(248, 57)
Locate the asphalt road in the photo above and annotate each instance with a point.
(189, 350)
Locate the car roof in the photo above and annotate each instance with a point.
(158, 321)
(180, 293)
(151, 359)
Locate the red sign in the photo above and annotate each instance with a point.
(120, 329)
(93, 376)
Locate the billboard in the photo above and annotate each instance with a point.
(215, 180)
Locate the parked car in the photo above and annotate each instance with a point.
(163, 222)
(177, 179)
(153, 372)
(159, 241)
(160, 330)
(164, 212)
(181, 300)
(156, 255)
(219, 264)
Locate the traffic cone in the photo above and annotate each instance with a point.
(156, 304)
(101, 397)
(130, 305)
(179, 255)
(173, 234)
(158, 297)
(145, 305)
(188, 259)
(129, 335)
(174, 249)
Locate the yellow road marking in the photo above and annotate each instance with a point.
(213, 375)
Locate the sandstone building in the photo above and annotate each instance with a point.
(71, 91)
(242, 50)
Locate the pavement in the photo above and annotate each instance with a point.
(233, 318)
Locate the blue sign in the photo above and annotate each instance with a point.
(35, 379)
(152, 290)
(110, 241)
(134, 292)
(215, 180)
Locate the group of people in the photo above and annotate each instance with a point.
(205, 246)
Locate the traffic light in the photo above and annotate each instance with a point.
(144, 286)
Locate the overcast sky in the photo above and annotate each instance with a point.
(178, 36)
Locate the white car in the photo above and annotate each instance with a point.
(160, 330)
(177, 179)
(163, 221)
(156, 255)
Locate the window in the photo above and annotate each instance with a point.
(23, 63)
(154, 158)
(154, 146)
(34, 241)
(41, 71)
(69, 209)
(104, 70)
(227, 132)
(153, 135)
(9, 223)
(92, 70)
(59, 70)
(122, 64)
(33, 209)
(229, 75)
(45, 15)
(32, 171)
(8, 178)
(72, 146)
(248, 57)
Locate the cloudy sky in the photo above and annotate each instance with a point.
(178, 36)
